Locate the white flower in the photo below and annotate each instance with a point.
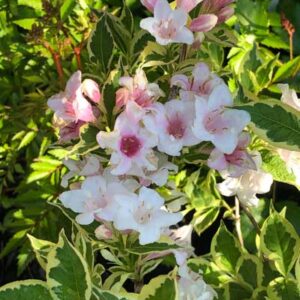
(145, 214)
(130, 145)
(172, 123)
(88, 166)
(248, 185)
(167, 25)
(218, 124)
(289, 96)
(159, 176)
(292, 160)
(192, 286)
(95, 198)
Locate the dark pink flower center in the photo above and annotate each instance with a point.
(130, 145)
(166, 29)
(236, 158)
(176, 127)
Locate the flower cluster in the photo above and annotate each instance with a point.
(173, 26)
(71, 107)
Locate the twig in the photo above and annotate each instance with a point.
(251, 218)
(290, 29)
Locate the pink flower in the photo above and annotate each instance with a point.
(137, 89)
(149, 4)
(248, 185)
(173, 125)
(218, 124)
(70, 105)
(167, 25)
(202, 82)
(130, 145)
(235, 163)
(70, 131)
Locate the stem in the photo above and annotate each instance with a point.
(77, 51)
(238, 222)
(274, 192)
(57, 62)
(291, 45)
(251, 218)
(138, 282)
(183, 53)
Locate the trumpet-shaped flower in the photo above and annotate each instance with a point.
(235, 163)
(159, 176)
(289, 96)
(89, 166)
(71, 105)
(248, 185)
(95, 199)
(218, 124)
(173, 125)
(167, 25)
(145, 214)
(137, 89)
(131, 145)
(202, 82)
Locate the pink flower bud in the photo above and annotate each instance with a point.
(102, 232)
(91, 89)
(225, 13)
(204, 23)
(188, 5)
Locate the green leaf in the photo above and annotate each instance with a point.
(41, 249)
(275, 122)
(27, 139)
(101, 44)
(283, 289)
(225, 250)
(250, 269)
(106, 295)
(25, 23)
(136, 248)
(35, 4)
(211, 273)
(234, 290)
(66, 9)
(276, 166)
(161, 287)
(287, 70)
(222, 35)
(204, 217)
(25, 290)
(280, 242)
(67, 273)
(15, 241)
